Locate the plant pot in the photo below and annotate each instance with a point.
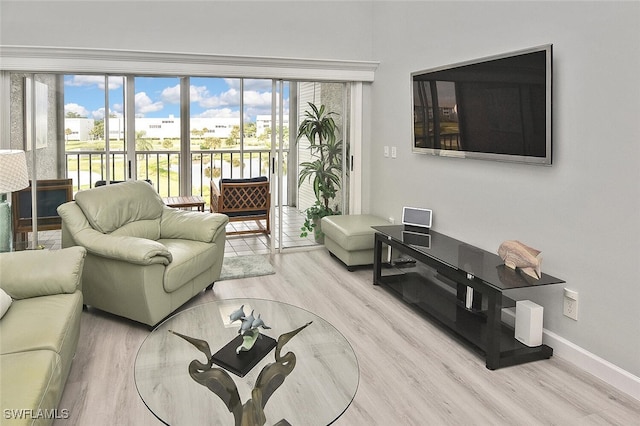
(318, 235)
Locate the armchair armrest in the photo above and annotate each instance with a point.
(33, 273)
(130, 249)
(189, 225)
(136, 250)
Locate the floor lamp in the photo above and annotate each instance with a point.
(13, 177)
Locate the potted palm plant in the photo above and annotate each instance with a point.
(324, 170)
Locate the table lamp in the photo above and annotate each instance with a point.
(13, 177)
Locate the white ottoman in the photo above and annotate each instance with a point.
(350, 238)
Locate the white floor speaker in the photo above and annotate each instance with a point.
(529, 322)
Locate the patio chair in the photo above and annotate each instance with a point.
(243, 200)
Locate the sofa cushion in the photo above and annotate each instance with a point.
(190, 259)
(55, 271)
(30, 381)
(42, 323)
(137, 200)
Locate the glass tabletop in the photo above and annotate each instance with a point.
(317, 391)
(488, 267)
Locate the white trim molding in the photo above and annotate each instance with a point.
(108, 61)
(587, 361)
(593, 364)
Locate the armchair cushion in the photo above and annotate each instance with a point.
(244, 180)
(106, 216)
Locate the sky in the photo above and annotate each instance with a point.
(160, 96)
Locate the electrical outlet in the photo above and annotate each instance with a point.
(570, 306)
(394, 152)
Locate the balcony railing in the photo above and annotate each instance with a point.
(162, 168)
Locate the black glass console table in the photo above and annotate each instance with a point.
(461, 286)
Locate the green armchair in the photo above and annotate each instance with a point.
(144, 259)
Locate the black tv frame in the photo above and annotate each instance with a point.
(447, 71)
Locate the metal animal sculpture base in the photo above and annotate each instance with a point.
(220, 382)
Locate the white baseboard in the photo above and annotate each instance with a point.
(593, 364)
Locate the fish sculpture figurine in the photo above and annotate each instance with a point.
(518, 255)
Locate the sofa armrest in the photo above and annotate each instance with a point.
(32, 273)
(195, 226)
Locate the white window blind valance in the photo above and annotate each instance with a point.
(82, 60)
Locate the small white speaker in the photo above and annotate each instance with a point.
(529, 322)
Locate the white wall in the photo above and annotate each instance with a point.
(582, 212)
(320, 30)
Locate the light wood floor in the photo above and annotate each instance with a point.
(411, 371)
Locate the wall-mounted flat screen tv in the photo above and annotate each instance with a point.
(495, 108)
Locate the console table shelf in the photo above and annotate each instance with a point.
(433, 284)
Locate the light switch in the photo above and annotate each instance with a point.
(386, 151)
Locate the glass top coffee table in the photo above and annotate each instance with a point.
(316, 392)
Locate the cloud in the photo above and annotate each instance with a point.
(250, 84)
(219, 113)
(117, 110)
(230, 98)
(98, 114)
(171, 95)
(94, 80)
(75, 108)
(198, 93)
(145, 105)
(256, 99)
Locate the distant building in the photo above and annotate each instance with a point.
(169, 127)
(263, 122)
(79, 129)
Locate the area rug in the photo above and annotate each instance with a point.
(245, 267)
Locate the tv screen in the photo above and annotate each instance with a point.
(496, 108)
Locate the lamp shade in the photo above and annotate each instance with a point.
(13, 170)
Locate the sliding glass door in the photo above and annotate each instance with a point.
(183, 133)
(95, 138)
(322, 116)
